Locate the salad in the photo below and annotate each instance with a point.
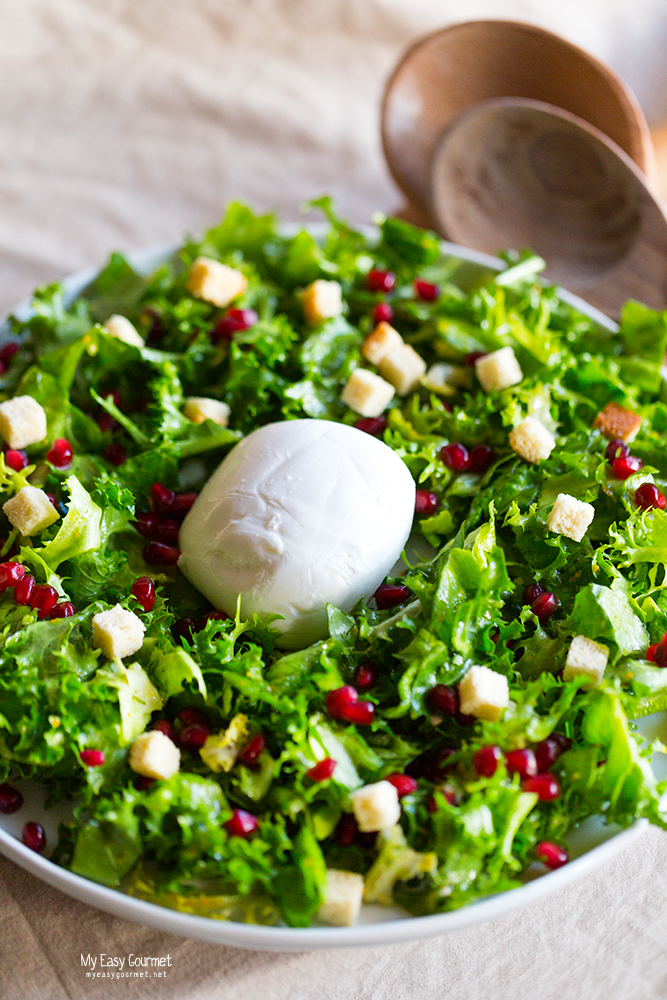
(536, 565)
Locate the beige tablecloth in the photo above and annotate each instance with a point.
(126, 124)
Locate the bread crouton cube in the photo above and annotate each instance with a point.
(201, 408)
(587, 658)
(570, 517)
(404, 368)
(30, 511)
(366, 393)
(484, 693)
(617, 422)
(376, 807)
(342, 900)
(154, 755)
(215, 282)
(381, 342)
(532, 440)
(322, 300)
(498, 370)
(22, 421)
(120, 327)
(118, 632)
(446, 378)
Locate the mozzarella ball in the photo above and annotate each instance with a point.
(299, 514)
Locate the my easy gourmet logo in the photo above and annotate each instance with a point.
(131, 966)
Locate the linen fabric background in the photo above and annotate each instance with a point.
(125, 124)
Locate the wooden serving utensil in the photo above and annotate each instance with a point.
(450, 70)
(521, 173)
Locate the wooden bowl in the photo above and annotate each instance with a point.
(521, 173)
(446, 72)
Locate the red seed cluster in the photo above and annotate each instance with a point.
(622, 462)
(60, 454)
(92, 758)
(372, 425)
(649, 497)
(390, 595)
(34, 837)
(16, 459)
(403, 783)
(426, 503)
(143, 590)
(380, 281)
(344, 704)
(322, 770)
(455, 456)
(41, 597)
(551, 855)
(234, 321)
(426, 290)
(242, 824)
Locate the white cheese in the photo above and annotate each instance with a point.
(30, 511)
(376, 807)
(299, 514)
(22, 421)
(484, 693)
(570, 517)
(342, 900)
(586, 658)
(118, 632)
(155, 756)
(120, 327)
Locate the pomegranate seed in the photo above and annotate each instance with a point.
(660, 654)
(115, 454)
(7, 352)
(16, 460)
(11, 573)
(564, 742)
(486, 761)
(390, 595)
(650, 652)
(182, 504)
(544, 606)
(322, 770)
(626, 465)
(403, 783)
(366, 675)
(164, 726)
(338, 700)
(63, 610)
(521, 762)
(158, 554)
(242, 823)
(34, 837)
(547, 753)
(60, 454)
(551, 855)
(444, 699)
(432, 764)
(347, 830)
(162, 498)
(481, 458)
(142, 782)
(383, 313)
(24, 588)
(167, 532)
(249, 756)
(192, 738)
(426, 502)
(456, 457)
(380, 281)
(92, 758)
(234, 321)
(192, 717)
(545, 786)
(372, 425)
(648, 496)
(532, 592)
(44, 599)
(361, 713)
(146, 524)
(615, 449)
(143, 591)
(184, 628)
(106, 422)
(474, 356)
(11, 799)
(426, 290)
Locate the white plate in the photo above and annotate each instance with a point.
(590, 846)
